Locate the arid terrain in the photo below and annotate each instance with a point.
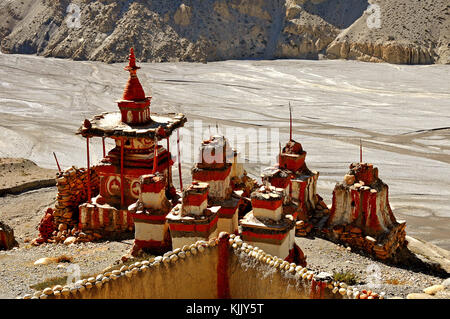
(394, 31)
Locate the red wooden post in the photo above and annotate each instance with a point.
(279, 154)
(155, 155)
(103, 142)
(122, 181)
(179, 159)
(360, 151)
(169, 178)
(88, 170)
(290, 122)
(59, 168)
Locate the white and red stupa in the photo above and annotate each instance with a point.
(192, 220)
(217, 166)
(270, 226)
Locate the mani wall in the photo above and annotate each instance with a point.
(223, 267)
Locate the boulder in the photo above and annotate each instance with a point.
(433, 289)
(70, 240)
(446, 283)
(7, 240)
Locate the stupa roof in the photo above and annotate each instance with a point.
(110, 124)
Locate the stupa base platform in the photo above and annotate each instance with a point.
(228, 214)
(383, 248)
(106, 220)
(187, 230)
(275, 238)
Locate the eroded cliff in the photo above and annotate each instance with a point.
(410, 31)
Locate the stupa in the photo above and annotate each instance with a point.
(270, 226)
(136, 132)
(299, 186)
(192, 220)
(217, 165)
(361, 215)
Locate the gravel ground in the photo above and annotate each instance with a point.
(18, 272)
(326, 256)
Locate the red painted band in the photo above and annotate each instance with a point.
(266, 204)
(195, 199)
(193, 227)
(211, 175)
(268, 236)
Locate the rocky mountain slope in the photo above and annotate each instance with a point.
(407, 31)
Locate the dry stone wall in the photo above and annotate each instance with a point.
(72, 191)
(250, 273)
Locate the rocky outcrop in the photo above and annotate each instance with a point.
(412, 32)
(195, 30)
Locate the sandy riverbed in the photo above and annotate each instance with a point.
(400, 112)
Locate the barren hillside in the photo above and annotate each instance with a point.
(410, 31)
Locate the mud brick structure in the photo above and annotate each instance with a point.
(192, 220)
(223, 267)
(270, 227)
(361, 215)
(213, 168)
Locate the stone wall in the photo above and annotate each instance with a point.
(72, 191)
(225, 267)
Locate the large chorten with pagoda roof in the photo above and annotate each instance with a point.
(136, 132)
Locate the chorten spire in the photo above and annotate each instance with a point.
(134, 106)
(133, 90)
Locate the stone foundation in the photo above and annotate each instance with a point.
(105, 220)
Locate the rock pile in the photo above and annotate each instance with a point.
(72, 191)
(61, 223)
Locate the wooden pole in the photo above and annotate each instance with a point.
(103, 142)
(122, 181)
(59, 168)
(290, 122)
(279, 154)
(360, 151)
(169, 167)
(88, 170)
(179, 159)
(155, 155)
